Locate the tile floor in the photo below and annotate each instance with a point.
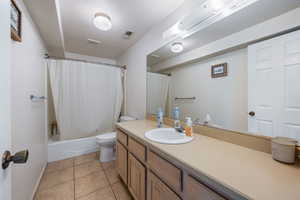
(81, 178)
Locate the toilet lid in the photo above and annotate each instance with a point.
(107, 136)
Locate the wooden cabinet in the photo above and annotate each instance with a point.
(166, 171)
(164, 180)
(136, 178)
(197, 191)
(122, 137)
(122, 161)
(137, 149)
(157, 190)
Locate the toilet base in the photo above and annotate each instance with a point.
(107, 154)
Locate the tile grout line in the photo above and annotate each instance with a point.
(89, 174)
(58, 184)
(74, 178)
(110, 185)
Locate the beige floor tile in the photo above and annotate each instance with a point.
(109, 165)
(57, 177)
(63, 191)
(112, 175)
(87, 168)
(85, 158)
(90, 183)
(102, 194)
(121, 192)
(59, 165)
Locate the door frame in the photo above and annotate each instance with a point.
(5, 100)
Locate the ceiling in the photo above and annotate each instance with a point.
(74, 26)
(256, 13)
(44, 13)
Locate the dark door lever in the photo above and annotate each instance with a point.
(19, 158)
(252, 113)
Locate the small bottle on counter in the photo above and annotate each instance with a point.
(188, 127)
(160, 118)
(176, 114)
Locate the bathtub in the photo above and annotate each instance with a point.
(60, 150)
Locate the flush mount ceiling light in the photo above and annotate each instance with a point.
(102, 21)
(177, 47)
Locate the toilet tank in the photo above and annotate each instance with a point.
(126, 118)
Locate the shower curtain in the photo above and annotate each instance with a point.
(87, 97)
(157, 92)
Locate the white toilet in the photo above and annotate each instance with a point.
(107, 143)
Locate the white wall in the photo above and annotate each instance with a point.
(224, 98)
(89, 58)
(28, 118)
(135, 57)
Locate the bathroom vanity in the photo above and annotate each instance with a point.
(204, 169)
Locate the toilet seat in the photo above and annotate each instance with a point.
(106, 137)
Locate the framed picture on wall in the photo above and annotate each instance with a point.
(219, 70)
(15, 22)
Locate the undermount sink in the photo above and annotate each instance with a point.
(167, 136)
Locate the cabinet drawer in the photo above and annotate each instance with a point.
(196, 190)
(122, 137)
(165, 170)
(137, 149)
(158, 190)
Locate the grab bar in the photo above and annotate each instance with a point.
(188, 98)
(36, 98)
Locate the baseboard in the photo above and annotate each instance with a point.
(36, 187)
(70, 148)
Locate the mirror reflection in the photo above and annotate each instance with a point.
(212, 69)
(192, 88)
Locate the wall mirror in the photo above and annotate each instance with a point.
(250, 87)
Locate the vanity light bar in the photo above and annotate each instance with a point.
(208, 15)
(229, 9)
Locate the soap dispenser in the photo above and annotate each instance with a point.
(188, 127)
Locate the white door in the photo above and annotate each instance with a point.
(274, 86)
(5, 140)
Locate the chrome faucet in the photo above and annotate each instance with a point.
(197, 122)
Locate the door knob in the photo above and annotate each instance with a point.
(252, 113)
(18, 158)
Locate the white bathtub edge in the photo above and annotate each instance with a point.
(70, 148)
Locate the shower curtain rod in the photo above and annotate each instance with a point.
(80, 60)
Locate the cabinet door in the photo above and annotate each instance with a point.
(197, 191)
(122, 161)
(158, 190)
(136, 178)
